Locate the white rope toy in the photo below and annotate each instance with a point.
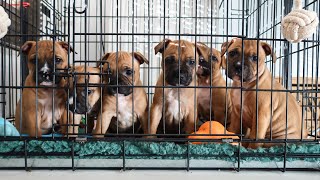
(299, 24)
(5, 22)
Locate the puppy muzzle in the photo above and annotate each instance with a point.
(78, 107)
(182, 78)
(120, 87)
(203, 70)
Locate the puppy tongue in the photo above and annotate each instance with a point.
(44, 83)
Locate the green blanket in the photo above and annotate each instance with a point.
(153, 150)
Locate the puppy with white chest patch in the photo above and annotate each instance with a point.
(209, 74)
(179, 62)
(84, 97)
(124, 105)
(37, 117)
(264, 122)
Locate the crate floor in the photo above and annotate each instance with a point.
(154, 163)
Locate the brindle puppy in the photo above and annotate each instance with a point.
(84, 97)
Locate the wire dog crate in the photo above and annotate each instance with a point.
(94, 28)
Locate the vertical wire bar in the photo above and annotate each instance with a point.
(37, 86)
(22, 69)
(316, 83)
(242, 59)
(273, 15)
(4, 68)
(288, 85)
(123, 156)
(164, 65)
(117, 71)
(149, 78)
(68, 82)
(188, 155)
(226, 100)
(101, 64)
(17, 76)
(54, 66)
(25, 155)
(73, 73)
(310, 95)
(72, 155)
(87, 77)
(179, 63)
(195, 74)
(257, 75)
(210, 88)
(132, 61)
(68, 90)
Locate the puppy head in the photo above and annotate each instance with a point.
(179, 73)
(83, 96)
(124, 71)
(42, 60)
(248, 70)
(212, 61)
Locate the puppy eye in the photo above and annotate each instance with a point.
(129, 72)
(254, 58)
(34, 61)
(89, 91)
(58, 60)
(191, 62)
(213, 58)
(232, 53)
(170, 60)
(201, 60)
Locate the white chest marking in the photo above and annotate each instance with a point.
(174, 107)
(126, 117)
(49, 117)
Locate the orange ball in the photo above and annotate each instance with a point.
(216, 128)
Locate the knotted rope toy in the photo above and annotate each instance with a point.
(299, 24)
(5, 22)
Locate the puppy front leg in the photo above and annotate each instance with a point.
(144, 121)
(73, 127)
(63, 122)
(33, 125)
(191, 121)
(263, 124)
(234, 123)
(155, 118)
(90, 124)
(103, 123)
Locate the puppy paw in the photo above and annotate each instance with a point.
(150, 137)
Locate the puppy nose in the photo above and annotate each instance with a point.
(238, 65)
(183, 78)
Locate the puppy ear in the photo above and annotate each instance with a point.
(66, 46)
(226, 45)
(268, 50)
(25, 48)
(138, 56)
(202, 49)
(223, 62)
(162, 46)
(103, 59)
